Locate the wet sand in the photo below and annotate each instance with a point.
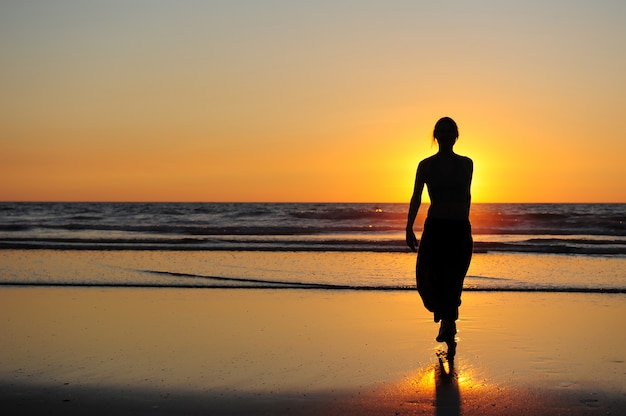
(258, 351)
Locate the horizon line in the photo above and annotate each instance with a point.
(281, 202)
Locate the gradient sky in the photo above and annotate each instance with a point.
(309, 101)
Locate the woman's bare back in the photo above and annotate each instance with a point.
(448, 177)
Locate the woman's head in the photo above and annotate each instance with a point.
(446, 131)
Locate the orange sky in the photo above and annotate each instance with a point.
(309, 101)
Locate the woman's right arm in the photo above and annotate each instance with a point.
(416, 201)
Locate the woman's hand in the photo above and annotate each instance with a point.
(411, 240)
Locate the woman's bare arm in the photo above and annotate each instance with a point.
(416, 201)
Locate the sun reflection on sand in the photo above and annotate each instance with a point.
(444, 386)
(449, 372)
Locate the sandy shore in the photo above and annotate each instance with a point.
(191, 351)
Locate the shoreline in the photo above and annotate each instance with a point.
(173, 351)
(309, 286)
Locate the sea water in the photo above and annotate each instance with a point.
(323, 246)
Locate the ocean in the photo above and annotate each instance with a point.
(319, 246)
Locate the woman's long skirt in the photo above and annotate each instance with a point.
(443, 257)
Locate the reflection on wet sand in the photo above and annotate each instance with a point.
(445, 388)
(447, 394)
(270, 352)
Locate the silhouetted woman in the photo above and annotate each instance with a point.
(445, 249)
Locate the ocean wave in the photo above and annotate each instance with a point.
(581, 229)
(184, 229)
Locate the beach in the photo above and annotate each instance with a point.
(76, 350)
(310, 309)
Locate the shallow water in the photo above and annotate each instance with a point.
(303, 270)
